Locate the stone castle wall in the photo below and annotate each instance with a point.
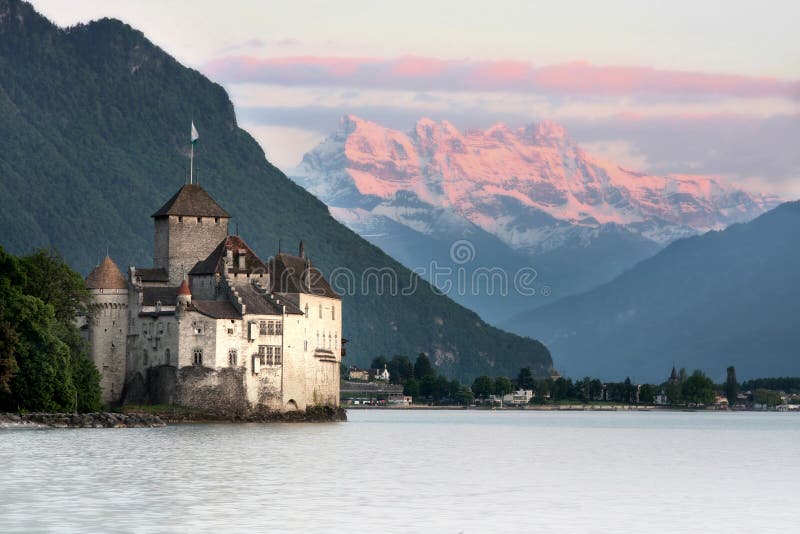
(181, 242)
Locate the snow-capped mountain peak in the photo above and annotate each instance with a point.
(518, 184)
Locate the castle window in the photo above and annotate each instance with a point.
(305, 345)
(199, 220)
(197, 357)
(320, 311)
(306, 311)
(146, 358)
(180, 220)
(279, 328)
(216, 220)
(269, 353)
(160, 328)
(271, 328)
(277, 355)
(166, 356)
(232, 357)
(262, 328)
(333, 313)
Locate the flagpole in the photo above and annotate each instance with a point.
(191, 162)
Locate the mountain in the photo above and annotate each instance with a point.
(94, 124)
(529, 197)
(723, 298)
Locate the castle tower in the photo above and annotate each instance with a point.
(187, 229)
(108, 326)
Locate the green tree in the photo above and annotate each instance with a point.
(411, 387)
(503, 386)
(423, 367)
(731, 386)
(464, 396)
(43, 365)
(766, 397)
(378, 363)
(647, 394)
(400, 369)
(483, 386)
(698, 389)
(525, 378)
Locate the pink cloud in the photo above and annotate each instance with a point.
(431, 74)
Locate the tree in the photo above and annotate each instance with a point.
(411, 387)
(766, 397)
(428, 386)
(378, 363)
(503, 386)
(698, 388)
(464, 396)
(400, 369)
(525, 378)
(647, 394)
(731, 386)
(483, 386)
(43, 363)
(423, 367)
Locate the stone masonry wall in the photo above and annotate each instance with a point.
(180, 242)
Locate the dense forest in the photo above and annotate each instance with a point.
(43, 362)
(94, 126)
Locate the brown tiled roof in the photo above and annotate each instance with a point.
(215, 262)
(106, 276)
(152, 275)
(168, 296)
(293, 274)
(218, 309)
(191, 200)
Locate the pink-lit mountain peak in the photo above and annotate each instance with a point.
(481, 175)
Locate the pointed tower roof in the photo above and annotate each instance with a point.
(106, 276)
(193, 201)
(184, 289)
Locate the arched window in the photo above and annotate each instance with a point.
(197, 357)
(232, 357)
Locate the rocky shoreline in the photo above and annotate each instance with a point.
(84, 420)
(152, 419)
(316, 414)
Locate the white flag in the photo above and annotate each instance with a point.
(194, 135)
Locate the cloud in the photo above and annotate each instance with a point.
(415, 73)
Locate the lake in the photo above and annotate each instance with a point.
(412, 471)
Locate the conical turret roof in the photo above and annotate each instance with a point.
(106, 276)
(184, 289)
(194, 201)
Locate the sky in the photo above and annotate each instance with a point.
(699, 87)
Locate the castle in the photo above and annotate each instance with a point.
(211, 325)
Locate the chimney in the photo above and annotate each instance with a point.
(302, 249)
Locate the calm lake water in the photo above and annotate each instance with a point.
(412, 471)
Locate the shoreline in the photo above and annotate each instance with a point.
(143, 418)
(567, 408)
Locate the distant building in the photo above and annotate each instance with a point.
(354, 373)
(380, 374)
(521, 396)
